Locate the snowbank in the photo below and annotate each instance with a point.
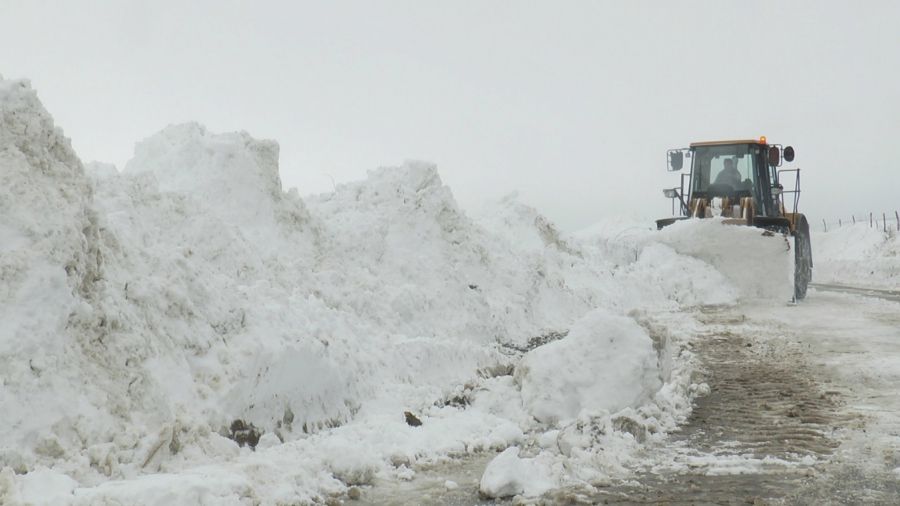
(857, 255)
(155, 318)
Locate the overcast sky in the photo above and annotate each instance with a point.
(573, 104)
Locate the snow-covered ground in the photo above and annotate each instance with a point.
(857, 255)
(186, 332)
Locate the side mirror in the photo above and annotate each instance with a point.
(676, 159)
(777, 190)
(774, 156)
(789, 154)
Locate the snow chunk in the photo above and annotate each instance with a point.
(508, 475)
(505, 476)
(351, 462)
(267, 440)
(548, 439)
(606, 362)
(39, 487)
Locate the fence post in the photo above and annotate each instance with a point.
(839, 223)
(854, 219)
(870, 220)
(884, 222)
(824, 226)
(897, 214)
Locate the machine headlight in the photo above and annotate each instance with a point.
(670, 193)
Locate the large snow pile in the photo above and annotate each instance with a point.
(857, 255)
(155, 319)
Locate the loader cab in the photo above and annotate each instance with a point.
(735, 180)
(733, 170)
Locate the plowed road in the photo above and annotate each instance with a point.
(804, 408)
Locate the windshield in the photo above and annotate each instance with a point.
(729, 167)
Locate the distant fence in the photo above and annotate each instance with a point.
(883, 221)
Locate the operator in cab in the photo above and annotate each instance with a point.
(729, 175)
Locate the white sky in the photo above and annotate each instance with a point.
(572, 103)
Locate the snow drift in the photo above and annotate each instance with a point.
(857, 255)
(155, 318)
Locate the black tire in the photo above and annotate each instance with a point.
(802, 259)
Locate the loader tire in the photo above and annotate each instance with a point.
(802, 259)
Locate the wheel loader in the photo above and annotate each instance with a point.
(739, 182)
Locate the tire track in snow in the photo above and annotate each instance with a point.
(766, 432)
(762, 402)
(754, 438)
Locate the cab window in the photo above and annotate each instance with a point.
(730, 165)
